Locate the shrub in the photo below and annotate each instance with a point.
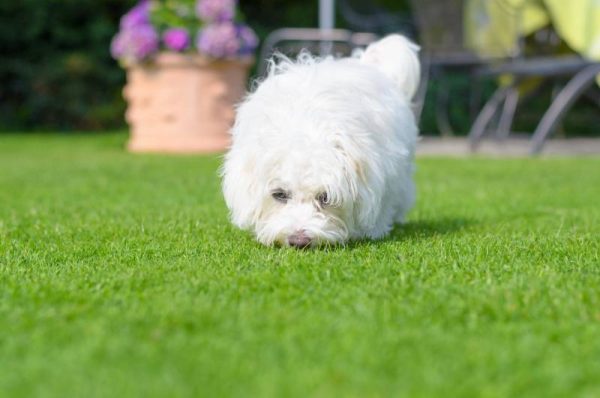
(56, 70)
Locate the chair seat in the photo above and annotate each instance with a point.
(454, 59)
(538, 66)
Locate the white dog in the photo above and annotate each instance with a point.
(323, 149)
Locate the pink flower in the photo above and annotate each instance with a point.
(226, 40)
(135, 44)
(248, 39)
(138, 15)
(176, 39)
(219, 40)
(216, 10)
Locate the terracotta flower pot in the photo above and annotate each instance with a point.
(183, 103)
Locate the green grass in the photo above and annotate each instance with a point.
(121, 276)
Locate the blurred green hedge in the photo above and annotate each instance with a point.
(56, 71)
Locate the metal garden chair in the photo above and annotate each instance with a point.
(365, 21)
(445, 47)
(291, 41)
(445, 50)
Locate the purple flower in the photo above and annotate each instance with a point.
(138, 15)
(135, 44)
(223, 40)
(248, 39)
(137, 39)
(219, 40)
(176, 39)
(216, 10)
(220, 36)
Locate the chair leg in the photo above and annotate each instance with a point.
(508, 114)
(475, 97)
(558, 129)
(486, 115)
(561, 105)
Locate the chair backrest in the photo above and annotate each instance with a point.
(291, 41)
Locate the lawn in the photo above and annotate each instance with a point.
(121, 276)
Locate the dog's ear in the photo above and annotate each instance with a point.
(359, 169)
(364, 182)
(369, 191)
(240, 187)
(397, 57)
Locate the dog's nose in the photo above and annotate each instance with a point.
(299, 239)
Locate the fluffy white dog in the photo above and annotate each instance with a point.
(323, 149)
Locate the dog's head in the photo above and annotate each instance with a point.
(304, 194)
(305, 168)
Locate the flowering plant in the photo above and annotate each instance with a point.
(211, 27)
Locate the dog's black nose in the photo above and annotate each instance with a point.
(299, 239)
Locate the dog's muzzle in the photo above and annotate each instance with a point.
(299, 240)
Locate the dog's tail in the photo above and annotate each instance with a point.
(397, 57)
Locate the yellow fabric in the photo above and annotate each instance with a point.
(492, 27)
(578, 24)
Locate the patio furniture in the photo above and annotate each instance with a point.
(365, 20)
(495, 53)
(466, 42)
(324, 40)
(291, 41)
(445, 50)
(580, 75)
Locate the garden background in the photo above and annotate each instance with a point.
(57, 74)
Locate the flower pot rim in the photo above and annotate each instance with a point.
(170, 58)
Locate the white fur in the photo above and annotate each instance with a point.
(340, 126)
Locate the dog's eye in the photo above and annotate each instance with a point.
(323, 199)
(280, 196)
